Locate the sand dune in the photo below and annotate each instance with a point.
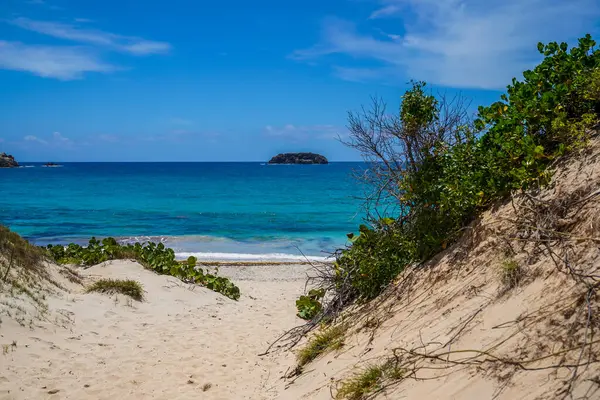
(182, 342)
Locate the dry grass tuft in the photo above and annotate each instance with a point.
(327, 340)
(130, 288)
(16, 251)
(370, 380)
(511, 273)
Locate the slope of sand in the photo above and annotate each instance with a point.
(459, 332)
(182, 342)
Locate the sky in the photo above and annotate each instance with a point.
(239, 80)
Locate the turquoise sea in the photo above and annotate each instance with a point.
(242, 210)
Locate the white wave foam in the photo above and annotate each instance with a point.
(250, 257)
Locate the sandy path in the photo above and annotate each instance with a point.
(174, 345)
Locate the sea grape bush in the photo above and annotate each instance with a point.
(543, 116)
(309, 306)
(441, 169)
(156, 257)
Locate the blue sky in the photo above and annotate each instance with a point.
(237, 80)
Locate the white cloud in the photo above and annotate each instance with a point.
(385, 11)
(128, 44)
(59, 138)
(60, 62)
(468, 43)
(31, 138)
(70, 62)
(55, 140)
(285, 130)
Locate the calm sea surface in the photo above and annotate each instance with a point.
(214, 210)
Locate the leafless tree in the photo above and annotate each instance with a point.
(395, 144)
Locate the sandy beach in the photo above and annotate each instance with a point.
(454, 328)
(181, 342)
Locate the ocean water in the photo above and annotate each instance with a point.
(248, 211)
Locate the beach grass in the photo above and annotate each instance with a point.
(329, 339)
(368, 381)
(128, 287)
(511, 273)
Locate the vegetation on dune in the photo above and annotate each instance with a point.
(128, 287)
(511, 273)
(434, 168)
(330, 338)
(17, 251)
(24, 280)
(369, 380)
(153, 256)
(309, 306)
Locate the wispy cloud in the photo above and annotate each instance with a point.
(67, 62)
(60, 62)
(55, 140)
(31, 138)
(385, 11)
(128, 44)
(302, 133)
(59, 138)
(456, 43)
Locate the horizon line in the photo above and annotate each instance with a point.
(180, 161)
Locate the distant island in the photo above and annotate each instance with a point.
(7, 161)
(298, 158)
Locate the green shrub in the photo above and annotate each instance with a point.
(309, 306)
(543, 116)
(438, 168)
(129, 288)
(377, 255)
(153, 256)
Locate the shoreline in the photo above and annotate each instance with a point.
(259, 259)
(217, 249)
(243, 263)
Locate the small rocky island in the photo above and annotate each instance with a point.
(7, 161)
(298, 158)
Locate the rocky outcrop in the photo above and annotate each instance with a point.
(7, 161)
(298, 158)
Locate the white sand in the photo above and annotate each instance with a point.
(170, 346)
